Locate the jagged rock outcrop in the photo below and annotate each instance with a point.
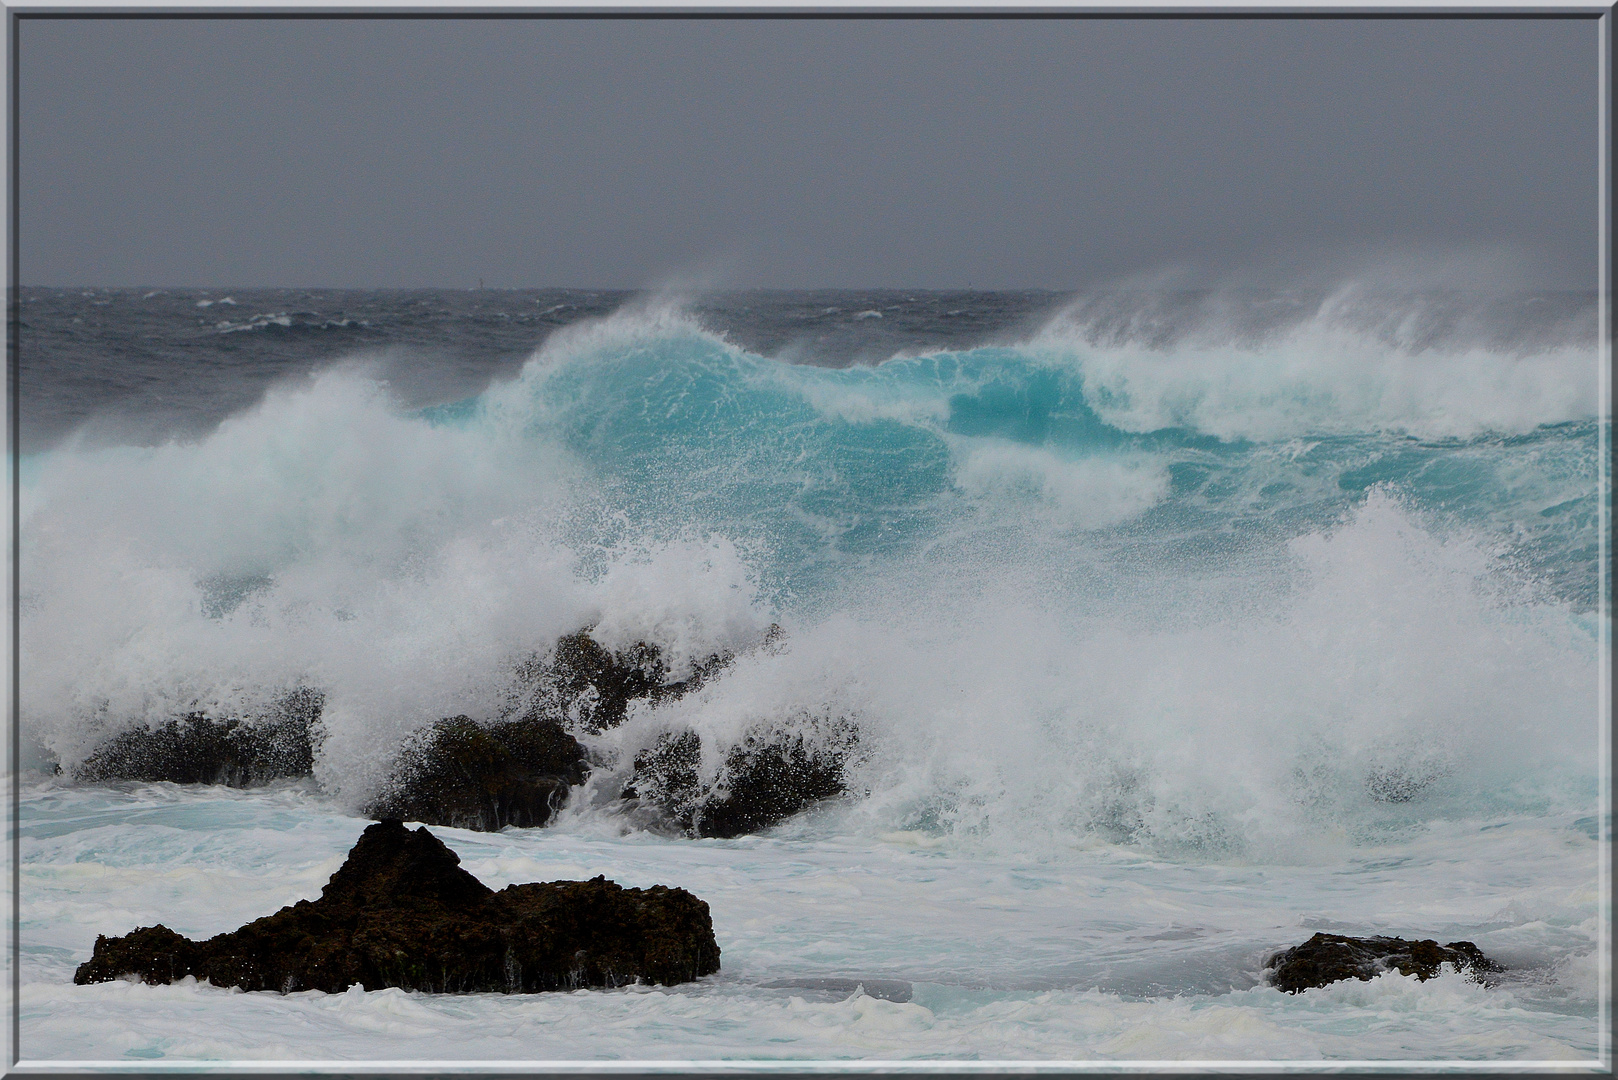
(772, 774)
(1327, 958)
(198, 749)
(401, 912)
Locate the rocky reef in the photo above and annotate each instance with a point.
(1328, 958)
(400, 912)
(200, 749)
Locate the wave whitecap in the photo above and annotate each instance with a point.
(1200, 597)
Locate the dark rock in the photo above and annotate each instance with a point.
(401, 912)
(1401, 783)
(772, 774)
(469, 776)
(198, 749)
(1327, 958)
(518, 770)
(583, 686)
(154, 953)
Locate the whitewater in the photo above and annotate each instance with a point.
(1174, 629)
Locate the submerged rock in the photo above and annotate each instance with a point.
(1327, 958)
(198, 749)
(772, 774)
(401, 912)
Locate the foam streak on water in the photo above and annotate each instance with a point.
(1098, 952)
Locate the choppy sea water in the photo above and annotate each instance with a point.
(1176, 628)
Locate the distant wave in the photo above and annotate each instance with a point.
(288, 321)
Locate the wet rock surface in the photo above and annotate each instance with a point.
(583, 685)
(518, 771)
(1405, 781)
(465, 775)
(1328, 958)
(199, 749)
(401, 912)
(769, 776)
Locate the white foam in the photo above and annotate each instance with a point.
(1014, 686)
(845, 396)
(257, 322)
(1091, 492)
(1325, 375)
(692, 596)
(1094, 954)
(1380, 663)
(324, 539)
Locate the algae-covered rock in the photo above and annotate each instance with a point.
(401, 912)
(199, 749)
(1327, 958)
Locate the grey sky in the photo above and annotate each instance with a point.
(792, 153)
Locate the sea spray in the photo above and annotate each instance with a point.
(1204, 597)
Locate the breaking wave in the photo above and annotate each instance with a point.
(1207, 595)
